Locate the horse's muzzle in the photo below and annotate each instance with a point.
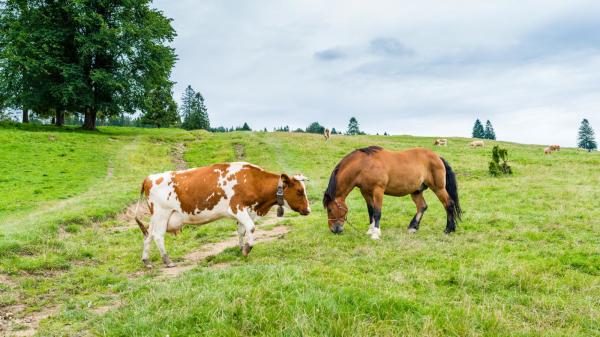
(337, 229)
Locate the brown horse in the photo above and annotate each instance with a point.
(377, 172)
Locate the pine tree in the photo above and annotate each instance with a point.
(478, 131)
(334, 131)
(585, 139)
(245, 127)
(193, 110)
(353, 127)
(489, 131)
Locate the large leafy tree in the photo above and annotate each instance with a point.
(353, 127)
(193, 110)
(585, 139)
(160, 109)
(101, 58)
(478, 131)
(489, 131)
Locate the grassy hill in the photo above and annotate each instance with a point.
(524, 261)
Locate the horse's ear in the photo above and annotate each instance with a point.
(285, 179)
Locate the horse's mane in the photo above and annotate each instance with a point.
(329, 194)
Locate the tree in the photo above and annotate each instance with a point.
(333, 131)
(353, 127)
(101, 58)
(244, 127)
(193, 110)
(478, 131)
(315, 127)
(489, 131)
(495, 167)
(160, 109)
(585, 139)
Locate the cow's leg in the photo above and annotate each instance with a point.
(158, 228)
(241, 232)
(146, 251)
(246, 220)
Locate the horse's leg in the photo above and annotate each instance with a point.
(377, 204)
(419, 200)
(369, 199)
(448, 205)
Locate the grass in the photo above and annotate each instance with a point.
(524, 262)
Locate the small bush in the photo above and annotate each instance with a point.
(496, 168)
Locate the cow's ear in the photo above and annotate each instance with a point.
(285, 179)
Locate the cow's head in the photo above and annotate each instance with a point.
(294, 193)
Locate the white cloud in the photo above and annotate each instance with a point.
(422, 68)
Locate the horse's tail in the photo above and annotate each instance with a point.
(452, 189)
(139, 222)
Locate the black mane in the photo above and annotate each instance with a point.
(329, 194)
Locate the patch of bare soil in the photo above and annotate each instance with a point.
(177, 156)
(26, 325)
(211, 249)
(240, 151)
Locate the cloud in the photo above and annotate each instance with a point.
(329, 54)
(427, 68)
(389, 47)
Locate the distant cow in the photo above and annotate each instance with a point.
(239, 191)
(440, 142)
(477, 143)
(554, 147)
(548, 150)
(326, 134)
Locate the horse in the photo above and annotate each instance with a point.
(477, 143)
(326, 134)
(440, 142)
(376, 171)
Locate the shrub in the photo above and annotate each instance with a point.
(496, 168)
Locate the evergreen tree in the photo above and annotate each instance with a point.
(193, 110)
(478, 131)
(315, 127)
(245, 127)
(353, 127)
(489, 131)
(333, 131)
(585, 139)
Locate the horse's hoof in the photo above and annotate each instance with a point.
(246, 250)
(412, 230)
(376, 234)
(370, 231)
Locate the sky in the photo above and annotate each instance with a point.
(427, 68)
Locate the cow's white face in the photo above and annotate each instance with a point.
(294, 193)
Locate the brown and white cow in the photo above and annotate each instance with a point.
(441, 142)
(554, 147)
(326, 134)
(239, 191)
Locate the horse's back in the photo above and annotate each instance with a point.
(408, 170)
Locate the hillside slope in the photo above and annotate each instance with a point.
(524, 261)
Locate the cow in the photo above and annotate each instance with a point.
(238, 190)
(554, 147)
(548, 150)
(477, 143)
(326, 134)
(440, 142)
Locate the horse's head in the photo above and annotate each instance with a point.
(336, 215)
(294, 193)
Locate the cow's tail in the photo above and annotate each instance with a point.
(139, 222)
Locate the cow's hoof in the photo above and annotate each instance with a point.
(412, 230)
(246, 250)
(170, 265)
(147, 264)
